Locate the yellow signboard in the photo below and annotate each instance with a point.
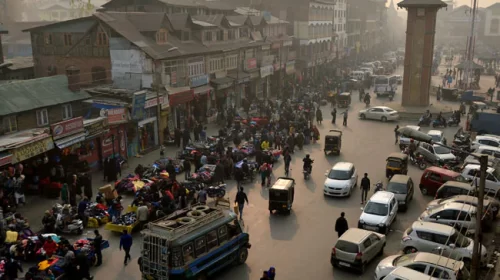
(32, 149)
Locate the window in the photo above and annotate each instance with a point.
(434, 177)
(211, 240)
(68, 39)
(48, 39)
(102, 39)
(463, 216)
(67, 113)
(374, 238)
(9, 124)
(367, 243)
(196, 67)
(222, 232)
(231, 34)
(446, 215)
(216, 64)
(424, 235)
(208, 36)
(438, 273)
(231, 62)
(220, 35)
(200, 246)
(490, 177)
(244, 32)
(187, 252)
(418, 267)
(42, 117)
(441, 239)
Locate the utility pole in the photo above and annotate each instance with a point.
(469, 47)
(476, 251)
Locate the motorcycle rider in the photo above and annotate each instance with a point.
(308, 163)
(367, 98)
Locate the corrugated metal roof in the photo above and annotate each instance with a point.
(237, 20)
(21, 96)
(216, 20)
(145, 22)
(178, 21)
(415, 3)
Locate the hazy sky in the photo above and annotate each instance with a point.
(482, 3)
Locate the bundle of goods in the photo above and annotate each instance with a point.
(246, 149)
(176, 162)
(131, 183)
(128, 221)
(97, 215)
(205, 174)
(108, 192)
(86, 246)
(273, 154)
(252, 165)
(186, 154)
(258, 121)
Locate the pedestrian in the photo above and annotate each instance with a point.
(264, 276)
(319, 116)
(264, 170)
(65, 194)
(396, 134)
(97, 247)
(202, 196)
(271, 273)
(334, 115)
(50, 247)
(187, 169)
(203, 134)
(344, 123)
(142, 214)
(365, 187)
(83, 266)
(126, 244)
(341, 225)
(11, 268)
(82, 206)
(241, 197)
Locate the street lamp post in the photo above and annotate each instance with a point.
(483, 160)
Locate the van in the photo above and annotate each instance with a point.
(433, 177)
(452, 188)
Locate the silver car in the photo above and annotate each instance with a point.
(402, 187)
(435, 153)
(454, 214)
(356, 248)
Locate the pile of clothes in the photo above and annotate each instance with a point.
(126, 220)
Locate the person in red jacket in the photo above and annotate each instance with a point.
(50, 247)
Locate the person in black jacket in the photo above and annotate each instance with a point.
(171, 170)
(365, 187)
(241, 197)
(341, 225)
(97, 247)
(187, 169)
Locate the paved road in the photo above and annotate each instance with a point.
(298, 245)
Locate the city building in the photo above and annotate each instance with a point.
(18, 43)
(340, 28)
(191, 7)
(17, 68)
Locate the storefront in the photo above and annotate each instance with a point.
(241, 85)
(179, 100)
(265, 73)
(90, 149)
(224, 93)
(117, 120)
(36, 146)
(151, 108)
(255, 83)
(202, 97)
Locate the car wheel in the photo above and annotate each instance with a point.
(409, 250)
(242, 255)
(383, 119)
(362, 116)
(424, 191)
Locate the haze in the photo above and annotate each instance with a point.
(482, 3)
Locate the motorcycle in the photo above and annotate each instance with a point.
(418, 160)
(307, 173)
(424, 121)
(438, 123)
(217, 191)
(379, 186)
(452, 122)
(75, 226)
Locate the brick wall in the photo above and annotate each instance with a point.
(85, 64)
(27, 120)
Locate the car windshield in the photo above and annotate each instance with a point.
(436, 138)
(459, 240)
(381, 81)
(397, 188)
(339, 175)
(441, 150)
(404, 260)
(375, 208)
(346, 246)
(394, 163)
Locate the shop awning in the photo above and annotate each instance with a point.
(203, 89)
(70, 140)
(181, 95)
(222, 83)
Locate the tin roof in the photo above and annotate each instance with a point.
(422, 3)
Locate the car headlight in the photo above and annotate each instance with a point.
(361, 221)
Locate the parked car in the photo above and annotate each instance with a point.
(488, 150)
(341, 180)
(405, 141)
(446, 240)
(430, 264)
(356, 248)
(404, 273)
(433, 177)
(452, 188)
(380, 113)
(437, 136)
(472, 172)
(455, 214)
(434, 153)
(402, 187)
(379, 212)
(488, 140)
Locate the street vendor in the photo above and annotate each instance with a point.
(48, 222)
(116, 208)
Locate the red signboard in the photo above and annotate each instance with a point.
(4, 160)
(115, 136)
(251, 63)
(116, 116)
(181, 97)
(65, 128)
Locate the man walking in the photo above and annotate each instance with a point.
(365, 187)
(97, 247)
(341, 224)
(241, 197)
(396, 134)
(334, 115)
(344, 123)
(126, 244)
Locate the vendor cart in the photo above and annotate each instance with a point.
(121, 227)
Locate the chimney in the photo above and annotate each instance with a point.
(73, 80)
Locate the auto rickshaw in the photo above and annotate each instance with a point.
(397, 163)
(450, 94)
(344, 99)
(333, 141)
(281, 195)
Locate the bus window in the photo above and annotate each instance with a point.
(211, 240)
(199, 246)
(187, 252)
(222, 232)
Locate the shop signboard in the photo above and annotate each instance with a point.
(267, 60)
(32, 149)
(138, 104)
(251, 63)
(287, 43)
(154, 101)
(115, 137)
(198, 81)
(68, 127)
(117, 116)
(266, 71)
(5, 159)
(95, 128)
(290, 67)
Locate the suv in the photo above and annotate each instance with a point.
(379, 212)
(356, 248)
(437, 136)
(485, 140)
(458, 215)
(432, 238)
(341, 180)
(405, 141)
(452, 188)
(404, 273)
(401, 186)
(435, 153)
(471, 171)
(430, 264)
(433, 177)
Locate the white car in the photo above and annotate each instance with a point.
(379, 212)
(341, 180)
(437, 136)
(430, 264)
(488, 140)
(404, 273)
(471, 171)
(454, 213)
(381, 113)
(488, 150)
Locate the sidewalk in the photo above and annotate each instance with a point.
(36, 205)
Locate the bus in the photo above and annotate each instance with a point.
(193, 243)
(382, 86)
